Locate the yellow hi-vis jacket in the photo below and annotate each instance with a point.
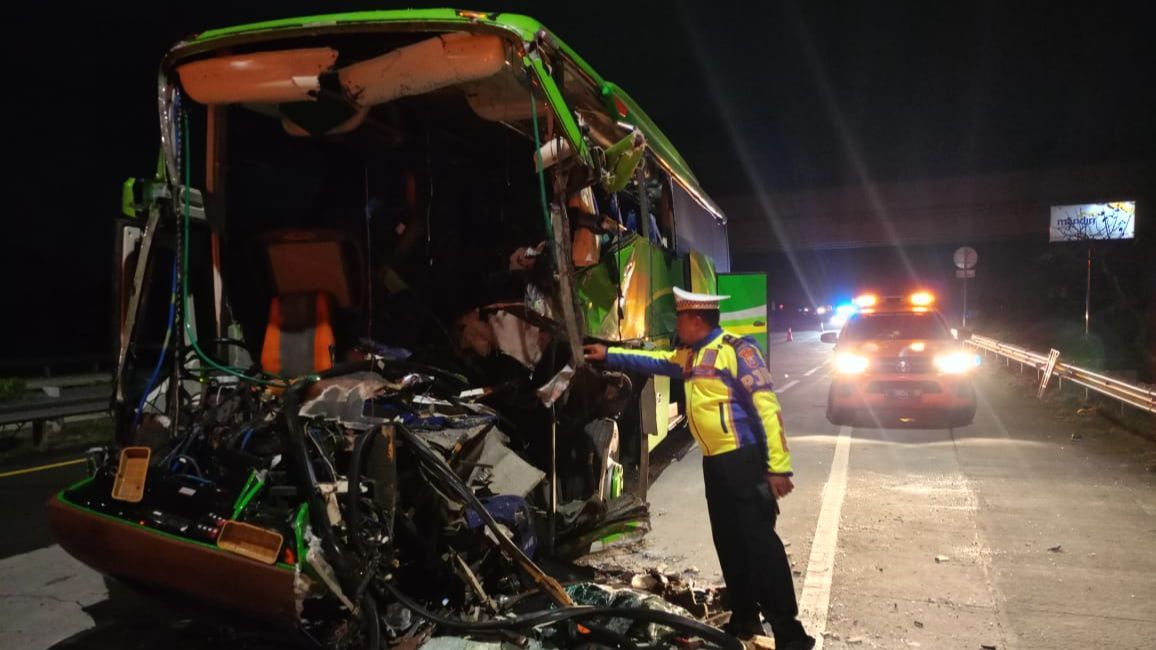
(730, 401)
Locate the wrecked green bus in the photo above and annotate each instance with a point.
(353, 297)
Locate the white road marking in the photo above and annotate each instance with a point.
(813, 370)
(43, 597)
(788, 387)
(816, 598)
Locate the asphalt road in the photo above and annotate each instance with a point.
(1031, 528)
(1044, 522)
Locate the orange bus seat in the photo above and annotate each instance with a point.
(299, 338)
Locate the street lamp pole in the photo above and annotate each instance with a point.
(1088, 297)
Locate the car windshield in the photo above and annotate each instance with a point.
(899, 326)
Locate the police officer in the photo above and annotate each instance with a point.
(734, 416)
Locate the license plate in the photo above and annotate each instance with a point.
(903, 393)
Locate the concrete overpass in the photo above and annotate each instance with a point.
(821, 246)
(949, 211)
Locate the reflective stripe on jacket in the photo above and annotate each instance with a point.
(730, 399)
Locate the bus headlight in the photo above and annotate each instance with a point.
(850, 364)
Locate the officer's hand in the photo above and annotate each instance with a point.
(780, 486)
(594, 352)
(524, 258)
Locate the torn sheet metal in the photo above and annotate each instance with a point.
(639, 303)
(596, 595)
(331, 492)
(517, 338)
(636, 261)
(462, 643)
(598, 296)
(316, 559)
(604, 436)
(703, 278)
(342, 399)
(447, 439)
(622, 160)
(423, 67)
(503, 471)
(556, 387)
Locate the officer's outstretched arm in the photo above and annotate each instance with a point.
(647, 362)
(755, 378)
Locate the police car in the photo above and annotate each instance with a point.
(897, 358)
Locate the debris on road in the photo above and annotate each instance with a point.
(702, 602)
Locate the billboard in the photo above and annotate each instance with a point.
(1093, 221)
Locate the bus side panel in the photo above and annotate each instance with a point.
(745, 312)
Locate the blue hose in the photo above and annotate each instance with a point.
(164, 348)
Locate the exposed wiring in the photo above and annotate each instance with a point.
(551, 616)
(438, 465)
(164, 348)
(310, 434)
(188, 459)
(177, 450)
(253, 485)
(541, 165)
(306, 479)
(353, 492)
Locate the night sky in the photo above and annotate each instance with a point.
(782, 95)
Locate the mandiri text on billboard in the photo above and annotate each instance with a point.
(1093, 221)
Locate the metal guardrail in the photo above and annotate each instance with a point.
(55, 366)
(78, 395)
(1140, 397)
(20, 412)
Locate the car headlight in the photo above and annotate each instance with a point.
(956, 363)
(850, 364)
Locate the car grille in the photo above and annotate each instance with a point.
(924, 387)
(903, 365)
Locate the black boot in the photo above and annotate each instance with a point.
(805, 643)
(744, 627)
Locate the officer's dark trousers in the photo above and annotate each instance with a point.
(754, 562)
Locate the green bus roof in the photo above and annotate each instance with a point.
(522, 27)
